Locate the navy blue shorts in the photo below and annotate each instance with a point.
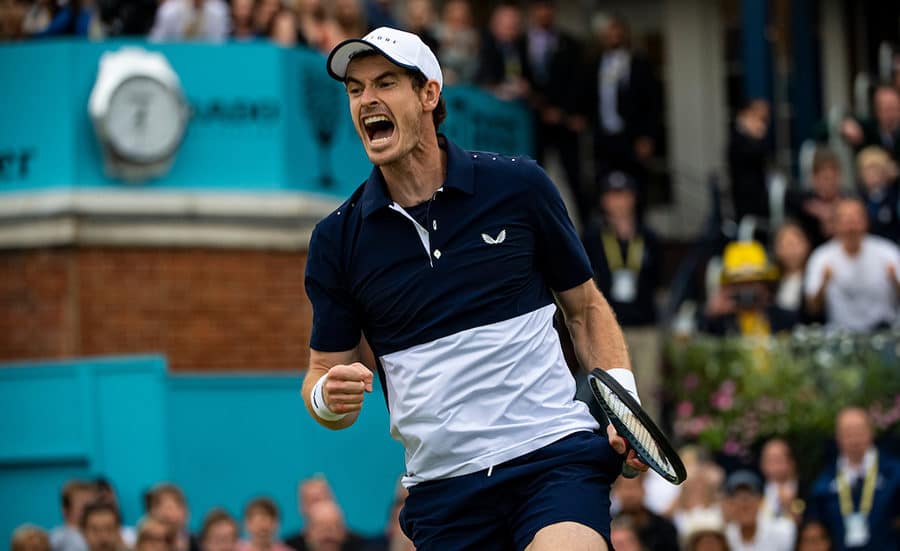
(567, 480)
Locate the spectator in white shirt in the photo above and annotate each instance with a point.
(747, 529)
(180, 20)
(780, 493)
(853, 277)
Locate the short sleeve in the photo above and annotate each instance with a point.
(336, 326)
(561, 256)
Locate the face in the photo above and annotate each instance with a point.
(776, 461)
(709, 542)
(387, 111)
(887, 108)
(77, 503)
(791, 247)
(826, 182)
(506, 23)
(624, 539)
(618, 203)
(744, 505)
(873, 176)
(325, 530)
(630, 493)
(155, 535)
(850, 222)
(542, 14)
(853, 434)
(261, 526)
(614, 35)
(457, 15)
(813, 538)
(221, 536)
(242, 10)
(312, 492)
(418, 13)
(170, 510)
(101, 532)
(284, 29)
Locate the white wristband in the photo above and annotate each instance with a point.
(318, 402)
(625, 378)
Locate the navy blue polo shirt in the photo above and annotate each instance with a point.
(367, 269)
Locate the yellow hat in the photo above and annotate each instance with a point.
(746, 261)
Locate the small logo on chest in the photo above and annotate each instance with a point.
(501, 237)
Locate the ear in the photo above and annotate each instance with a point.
(430, 95)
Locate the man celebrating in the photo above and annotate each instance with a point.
(448, 262)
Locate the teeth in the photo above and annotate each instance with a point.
(380, 140)
(376, 118)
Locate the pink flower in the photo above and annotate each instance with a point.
(722, 401)
(731, 447)
(684, 409)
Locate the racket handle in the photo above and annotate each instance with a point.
(628, 471)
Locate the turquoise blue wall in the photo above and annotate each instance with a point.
(223, 438)
(260, 114)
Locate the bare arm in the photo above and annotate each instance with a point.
(596, 334)
(343, 391)
(816, 303)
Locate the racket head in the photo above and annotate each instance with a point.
(633, 424)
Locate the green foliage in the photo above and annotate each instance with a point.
(730, 394)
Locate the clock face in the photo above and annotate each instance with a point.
(145, 120)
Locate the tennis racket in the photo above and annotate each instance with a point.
(635, 426)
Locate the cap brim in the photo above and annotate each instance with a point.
(340, 57)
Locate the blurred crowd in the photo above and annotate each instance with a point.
(92, 521)
(766, 506)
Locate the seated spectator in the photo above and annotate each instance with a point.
(625, 255)
(743, 305)
(653, 531)
(791, 252)
(878, 188)
(325, 530)
(813, 536)
(884, 129)
(698, 503)
(419, 20)
(76, 495)
(106, 492)
(393, 538)
(284, 29)
(261, 526)
(502, 58)
(311, 493)
(220, 532)
(814, 209)
(344, 19)
(100, 527)
(854, 277)
(747, 530)
(458, 43)
(781, 495)
(748, 161)
(12, 18)
(242, 20)
(29, 538)
(154, 535)
(857, 497)
(624, 536)
(705, 533)
(38, 16)
(179, 20)
(74, 18)
(167, 503)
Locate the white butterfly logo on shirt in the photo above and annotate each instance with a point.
(501, 237)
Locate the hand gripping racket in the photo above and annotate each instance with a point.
(635, 426)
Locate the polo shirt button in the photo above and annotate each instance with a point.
(437, 253)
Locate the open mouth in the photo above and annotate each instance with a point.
(379, 129)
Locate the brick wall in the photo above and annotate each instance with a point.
(204, 309)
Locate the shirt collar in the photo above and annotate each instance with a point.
(460, 176)
(853, 472)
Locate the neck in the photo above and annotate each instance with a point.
(622, 225)
(855, 460)
(414, 178)
(748, 531)
(852, 246)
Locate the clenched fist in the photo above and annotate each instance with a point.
(346, 386)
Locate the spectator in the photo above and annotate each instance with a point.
(625, 257)
(748, 161)
(878, 188)
(74, 18)
(624, 536)
(458, 43)
(219, 532)
(179, 20)
(857, 497)
(622, 98)
(393, 539)
(263, 14)
(781, 495)
(344, 19)
(311, 23)
(261, 526)
(106, 492)
(854, 277)
(284, 29)
(166, 502)
(38, 17)
(503, 64)
(743, 304)
(154, 535)
(747, 530)
(791, 252)
(653, 531)
(813, 536)
(698, 504)
(242, 20)
(884, 129)
(555, 61)
(76, 494)
(127, 17)
(12, 18)
(705, 533)
(419, 19)
(814, 209)
(378, 13)
(325, 530)
(100, 527)
(29, 538)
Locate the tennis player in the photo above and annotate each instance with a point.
(451, 264)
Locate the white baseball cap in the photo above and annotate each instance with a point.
(400, 47)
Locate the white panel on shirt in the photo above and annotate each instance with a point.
(860, 293)
(480, 397)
